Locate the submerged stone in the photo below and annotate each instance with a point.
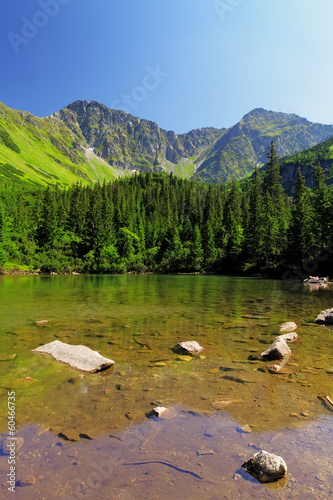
(244, 429)
(190, 346)
(220, 404)
(8, 358)
(7, 445)
(274, 368)
(77, 356)
(288, 337)
(26, 481)
(289, 326)
(266, 467)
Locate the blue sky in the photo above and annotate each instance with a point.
(184, 64)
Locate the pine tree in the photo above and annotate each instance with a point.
(276, 212)
(196, 253)
(301, 236)
(48, 223)
(322, 221)
(233, 223)
(255, 223)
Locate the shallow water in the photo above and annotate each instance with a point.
(137, 321)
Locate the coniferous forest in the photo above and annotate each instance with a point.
(153, 222)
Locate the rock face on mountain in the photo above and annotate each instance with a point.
(211, 155)
(306, 160)
(246, 143)
(131, 143)
(90, 142)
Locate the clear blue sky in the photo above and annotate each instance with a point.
(182, 63)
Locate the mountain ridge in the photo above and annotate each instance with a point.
(247, 142)
(89, 142)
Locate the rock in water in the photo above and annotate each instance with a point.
(274, 369)
(289, 326)
(325, 317)
(190, 346)
(288, 337)
(26, 481)
(69, 435)
(278, 350)
(9, 444)
(266, 467)
(157, 412)
(77, 356)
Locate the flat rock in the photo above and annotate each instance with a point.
(220, 404)
(288, 337)
(77, 356)
(8, 358)
(69, 435)
(41, 322)
(89, 434)
(244, 429)
(277, 350)
(266, 467)
(289, 326)
(190, 346)
(325, 317)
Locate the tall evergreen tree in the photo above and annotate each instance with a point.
(276, 211)
(255, 229)
(322, 220)
(233, 243)
(301, 236)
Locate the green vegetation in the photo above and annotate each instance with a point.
(8, 141)
(44, 151)
(160, 223)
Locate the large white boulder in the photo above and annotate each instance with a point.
(77, 356)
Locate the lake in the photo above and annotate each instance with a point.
(223, 404)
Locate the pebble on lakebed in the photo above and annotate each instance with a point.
(156, 412)
(289, 326)
(41, 322)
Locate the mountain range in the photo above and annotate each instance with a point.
(88, 142)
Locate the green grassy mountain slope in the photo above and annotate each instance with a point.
(44, 151)
(246, 144)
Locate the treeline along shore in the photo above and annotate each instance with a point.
(153, 222)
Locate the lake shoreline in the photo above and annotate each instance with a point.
(16, 272)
